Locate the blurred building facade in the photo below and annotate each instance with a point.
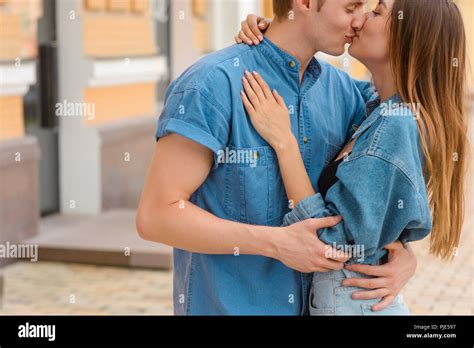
(81, 85)
(19, 152)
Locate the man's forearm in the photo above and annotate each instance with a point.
(186, 226)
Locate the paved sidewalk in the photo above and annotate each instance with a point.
(67, 288)
(441, 287)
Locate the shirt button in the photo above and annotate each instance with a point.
(257, 155)
(292, 64)
(305, 140)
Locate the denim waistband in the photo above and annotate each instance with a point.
(339, 275)
(335, 275)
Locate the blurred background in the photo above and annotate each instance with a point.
(81, 87)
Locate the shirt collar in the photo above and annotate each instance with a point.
(373, 112)
(287, 62)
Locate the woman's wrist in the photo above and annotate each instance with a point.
(286, 146)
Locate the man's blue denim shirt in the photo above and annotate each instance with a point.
(381, 192)
(204, 105)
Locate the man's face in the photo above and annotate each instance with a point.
(372, 43)
(335, 24)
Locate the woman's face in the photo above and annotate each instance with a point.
(371, 44)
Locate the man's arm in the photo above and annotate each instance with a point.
(390, 278)
(165, 214)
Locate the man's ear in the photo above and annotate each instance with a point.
(304, 5)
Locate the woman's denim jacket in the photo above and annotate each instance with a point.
(380, 192)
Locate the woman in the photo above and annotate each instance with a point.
(402, 174)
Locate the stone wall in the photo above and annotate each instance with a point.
(19, 208)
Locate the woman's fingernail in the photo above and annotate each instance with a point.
(255, 73)
(260, 37)
(247, 73)
(256, 42)
(250, 42)
(276, 92)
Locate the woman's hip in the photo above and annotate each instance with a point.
(329, 297)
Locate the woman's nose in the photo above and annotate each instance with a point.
(359, 21)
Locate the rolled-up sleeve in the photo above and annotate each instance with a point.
(378, 204)
(194, 114)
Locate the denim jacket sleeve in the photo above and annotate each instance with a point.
(378, 204)
(194, 114)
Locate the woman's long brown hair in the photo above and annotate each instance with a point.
(428, 54)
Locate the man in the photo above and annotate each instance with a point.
(220, 213)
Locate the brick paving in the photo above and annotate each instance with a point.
(68, 288)
(441, 287)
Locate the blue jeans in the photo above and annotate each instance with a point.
(329, 297)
